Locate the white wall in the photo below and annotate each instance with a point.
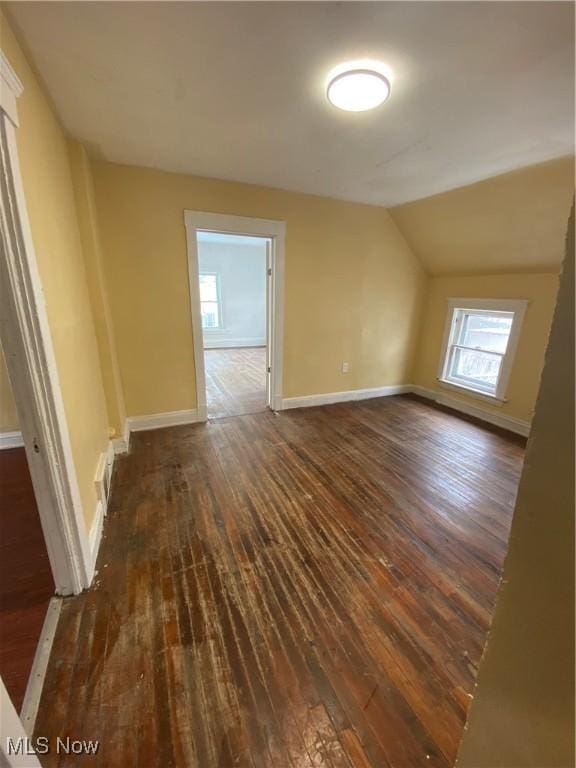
(241, 265)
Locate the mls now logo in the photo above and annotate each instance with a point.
(41, 746)
(25, 746)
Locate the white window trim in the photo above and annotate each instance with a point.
(220, 326)
(518, 307)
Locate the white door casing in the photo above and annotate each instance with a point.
(275, 232)
(269, 322)
(31, 364)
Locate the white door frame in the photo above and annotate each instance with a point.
(13, 737)
(275, 231)
(31, 365)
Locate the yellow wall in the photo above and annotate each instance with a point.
(9, 421)
(112, 254)
(51, 206)
(523, 709)
(90, 236)
(540, 290)
(511, 223)
(353, 287)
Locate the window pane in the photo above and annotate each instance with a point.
(475, 368)
(486, 331)
(209, 311)
(208, 289)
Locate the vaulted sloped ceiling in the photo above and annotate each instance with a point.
(237, 90)
(515, 222)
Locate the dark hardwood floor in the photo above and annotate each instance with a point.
(312, 588)
(235, 381)
(26, 583)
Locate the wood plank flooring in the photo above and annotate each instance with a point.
(235, 381)
(309, 588)
(26, 583)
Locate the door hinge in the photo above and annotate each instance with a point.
(269, 271)
(269, 369)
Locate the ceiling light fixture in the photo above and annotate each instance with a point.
(358, 86)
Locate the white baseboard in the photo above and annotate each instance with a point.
(233, 343)
(341, 397)
(39, 666)
(193, 415)
(122, 444)
(155, 421)
(95, 537)
(510, 423)
(103, 479)
(161, 420)
(110, 455)
(103, 483)
(11, 440)
(277, 404)
(517, 426)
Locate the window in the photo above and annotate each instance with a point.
(479, 344)
(210, 300)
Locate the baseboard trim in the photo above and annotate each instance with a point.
(95, 537)
(429, 394)
(103, 484)
(37, 676)
(103, 479)
(122, 444)
(234, 343)
(329, 398)
(161, 420)
(193, 415)
(510, 423)
(155, 421)
(11, 440)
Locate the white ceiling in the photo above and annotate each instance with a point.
(236, 90)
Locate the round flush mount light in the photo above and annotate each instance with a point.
(358, 87)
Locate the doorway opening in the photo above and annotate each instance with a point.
(236, 269)
(233, 276)
(44, 545)
(26, 581)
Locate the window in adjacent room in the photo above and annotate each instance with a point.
(210, 300)
(479, 344)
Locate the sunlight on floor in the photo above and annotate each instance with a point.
(235, 381)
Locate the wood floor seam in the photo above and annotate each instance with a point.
(300, 590)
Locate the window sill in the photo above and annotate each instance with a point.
(477, 393)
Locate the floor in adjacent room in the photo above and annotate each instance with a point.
(308, 588)
(26, 583)
(235, 381)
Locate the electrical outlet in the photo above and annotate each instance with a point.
(345, 366)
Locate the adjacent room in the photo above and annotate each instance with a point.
(287, 414)
(232, 272)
